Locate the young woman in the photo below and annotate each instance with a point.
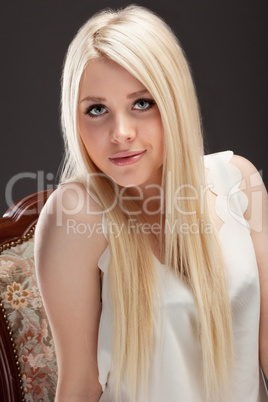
(144, 253)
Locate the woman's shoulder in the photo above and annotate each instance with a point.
(71, 222)
(71, 200)
(74, 196)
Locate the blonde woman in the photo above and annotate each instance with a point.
(144, 253)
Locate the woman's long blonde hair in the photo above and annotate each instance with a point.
(143, 44)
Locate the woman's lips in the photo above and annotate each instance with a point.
(126, 158)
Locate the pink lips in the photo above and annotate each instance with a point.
(126, 158)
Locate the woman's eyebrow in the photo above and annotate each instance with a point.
(100, 99)
(139, 93)
(93, 99)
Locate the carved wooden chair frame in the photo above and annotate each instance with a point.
(16, 226)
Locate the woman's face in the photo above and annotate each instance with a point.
(120, 125)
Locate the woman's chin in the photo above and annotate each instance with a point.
(123, 182)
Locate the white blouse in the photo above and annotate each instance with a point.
(176, 372)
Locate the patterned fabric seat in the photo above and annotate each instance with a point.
(28, 369)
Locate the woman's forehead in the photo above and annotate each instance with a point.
(104, 75)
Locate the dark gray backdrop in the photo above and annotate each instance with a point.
(226, 45)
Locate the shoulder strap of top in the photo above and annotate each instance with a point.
(224, 179)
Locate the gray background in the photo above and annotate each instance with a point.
(225, 43)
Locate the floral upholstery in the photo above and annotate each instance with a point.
(27, 318)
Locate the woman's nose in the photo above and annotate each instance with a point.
(123, 129)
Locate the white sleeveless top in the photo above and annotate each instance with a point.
(177, 361)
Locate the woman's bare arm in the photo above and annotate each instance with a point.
(257, 217)
(69, 280)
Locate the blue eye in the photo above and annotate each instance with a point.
(96, 110)
(143, 104)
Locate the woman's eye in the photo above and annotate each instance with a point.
(96, 110)
(143, 104)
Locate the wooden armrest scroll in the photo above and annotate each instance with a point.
(17, 223)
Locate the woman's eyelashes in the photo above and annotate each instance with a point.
(96, 110)
(141, 105)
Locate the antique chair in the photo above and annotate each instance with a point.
(28, 369)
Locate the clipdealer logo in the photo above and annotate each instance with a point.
(236, 200)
